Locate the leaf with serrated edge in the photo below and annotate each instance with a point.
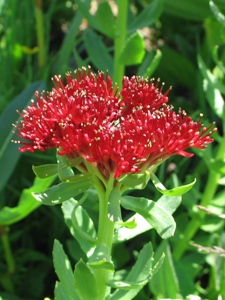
(85, 282)
(139, 275)
(64, 271)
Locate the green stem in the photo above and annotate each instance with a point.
(119, 40)
(40, 35)
(8, 257)
(105, 236)
(195, 223)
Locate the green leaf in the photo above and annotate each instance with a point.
(149, 64)
(84, 6)
(83, 224)
(64, 271)
(126, 233)
(170, 204)
(178, 191)
(149, 15)
(154, 214)
(68, 45)
(9, 153)
(180, 70)
(86, 245)
(100, 259)
(45, 171)
(133, 51)
(213, 89)
(139, 275)
(197, 10)
(60, 292)
(97, 52)
(164, 283)
(105, 18)
(217, 13)
(135, 181)
(85, 282)
(63, 191)
(27, 203)
(114, 210)
(217, 165)
(64, 169)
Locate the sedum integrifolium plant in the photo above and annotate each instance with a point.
(109, 142)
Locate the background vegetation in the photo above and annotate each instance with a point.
(181, 42)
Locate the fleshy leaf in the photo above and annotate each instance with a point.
(134, 50)
(64, 169)
(83, 224)
(45, 171)
(27, 203)
(126, 233)
(114, 210)
(60, 293)
(63, 191)
(154, 213)
(135, 181)
(213, 89)
(64, 271)
(170, 204)
(178, 191)
(101, 258)
(139, 275)
(85, 282)
(86, 245)
(165, 274)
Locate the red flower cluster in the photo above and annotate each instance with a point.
(120, 132)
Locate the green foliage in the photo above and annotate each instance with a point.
(182, 42)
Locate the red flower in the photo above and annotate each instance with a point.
(120, 132)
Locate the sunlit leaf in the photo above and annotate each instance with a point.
(45, 171)
(133, 51)
(100, 259)
(139, 275)
(63, 191)
(135, 181)
(86, 245)
(83, 224)
(178, 191)
(165, 282)
(85, 282)
(27, 203)
(154, 213)
(114, 210)
(64, 271)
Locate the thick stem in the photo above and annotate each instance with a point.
(119, 40)
(209, 192)
(105, 236)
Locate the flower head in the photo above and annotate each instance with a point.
(119, 132)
